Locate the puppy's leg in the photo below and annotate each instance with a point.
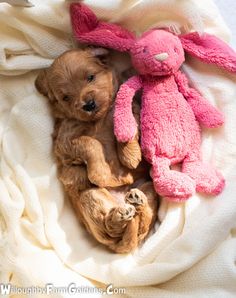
(74, 178)
(65, 150)
(117, 219)
(129, 241)
(91, 152)
(111, 224)
(145, 201)
(130, 153)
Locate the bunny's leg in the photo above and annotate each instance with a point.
(171, 184)
(208, 179)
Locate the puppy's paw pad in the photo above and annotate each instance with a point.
(125, 214)
(135, 196)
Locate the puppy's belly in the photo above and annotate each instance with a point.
(119, 194)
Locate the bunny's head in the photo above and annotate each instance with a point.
(157, 52)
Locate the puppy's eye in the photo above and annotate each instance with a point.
(90, 78)
(66, 98)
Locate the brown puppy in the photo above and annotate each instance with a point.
(96, 171)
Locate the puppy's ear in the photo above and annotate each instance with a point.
(41, 82)
(43, 86)
(100, 53)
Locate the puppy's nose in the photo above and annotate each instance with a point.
(90, 106)
(161, 56)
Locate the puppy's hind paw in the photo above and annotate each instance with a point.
(136, 197)
(124, 213)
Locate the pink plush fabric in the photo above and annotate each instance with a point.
(210, 49)
(171, 110)
(88, 23)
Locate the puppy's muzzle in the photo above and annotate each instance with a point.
(90, 106)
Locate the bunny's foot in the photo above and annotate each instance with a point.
(208, 180)
(173, 185)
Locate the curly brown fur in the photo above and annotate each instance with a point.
(96, 171)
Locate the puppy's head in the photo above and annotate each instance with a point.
(79, 84)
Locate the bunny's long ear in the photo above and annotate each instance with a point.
(88, 29)
(209, 49)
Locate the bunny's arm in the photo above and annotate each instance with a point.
(125, 125)
(205, 113)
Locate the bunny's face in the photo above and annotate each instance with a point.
(158, 53)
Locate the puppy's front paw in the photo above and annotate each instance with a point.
(136, 197)
(131, 163)
(129, 154)
(99, 179)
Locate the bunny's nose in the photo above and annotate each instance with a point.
(161, 56)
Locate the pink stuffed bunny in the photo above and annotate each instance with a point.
(171, 109)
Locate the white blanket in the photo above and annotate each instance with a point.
(191, 253)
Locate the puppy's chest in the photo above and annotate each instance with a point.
(101, 131)
(70, 129)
